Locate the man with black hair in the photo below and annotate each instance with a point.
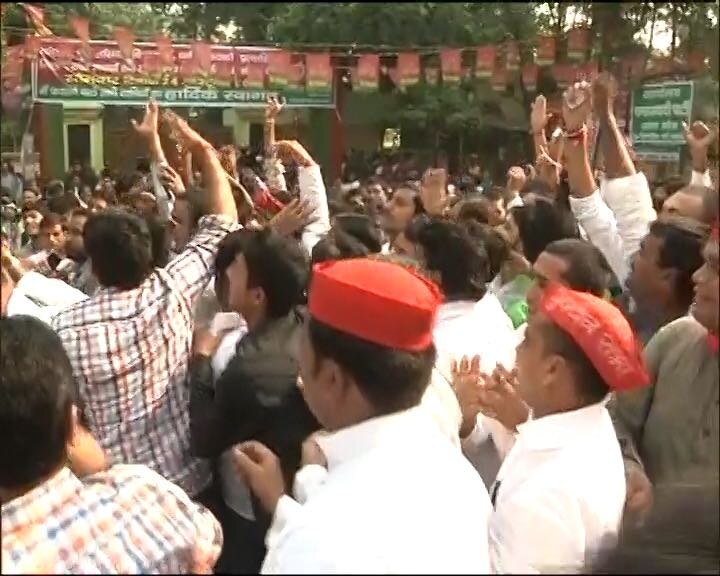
(126, 519)
(560, 493)
(574, 263)
(129, 345)
(660, 281)
(256, 397)
(366, 354)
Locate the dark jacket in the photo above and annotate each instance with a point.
(255, 398)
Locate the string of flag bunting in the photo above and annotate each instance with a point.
(499, 63)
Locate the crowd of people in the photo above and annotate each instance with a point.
(224, 366)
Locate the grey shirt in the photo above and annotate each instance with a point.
(671, 428)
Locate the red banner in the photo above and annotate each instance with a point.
(451, 62)
(512, 55)
(297, 77)
(530, 77)
(485, 61)
(499, 80)
(165, 50)
(202, 55)
(250, 70)
(32, 46)
(278, 69)
(408, 65)
(578, 40)
(125, 39)
(319, 71)
(545, 55)
(368, 72)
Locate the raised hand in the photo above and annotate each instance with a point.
(273, 108)
(149, 126)
(698, 136)
(538, 114)
(433, 191)
(172, 181)
(577, 105)
(291, 218)
(185, 136)
(604, 90)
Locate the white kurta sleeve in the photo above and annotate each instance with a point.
(307, 480)
(600, 225)
(630, 200)
(49, 291)
(701, 179)
(312, 190)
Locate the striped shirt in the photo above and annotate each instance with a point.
(129, 351)
(125, 520)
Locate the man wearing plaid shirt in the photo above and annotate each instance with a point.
(62, 511)
(129, 345)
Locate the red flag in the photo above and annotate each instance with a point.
(202, 55)
(32, 46)
(37, 17)
(368, 72)
(125, 39)
(530, 76)
(499, 79)
(451, 62)
(408, 65)
(485, 62)
(545, 51)
(577, 43)
(81, 27)
(165, 50)
(319, 72)
(512, 55)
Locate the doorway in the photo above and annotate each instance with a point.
(78, 138)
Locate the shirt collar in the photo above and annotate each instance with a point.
(355, 441)
(561, 429)
(39, 503)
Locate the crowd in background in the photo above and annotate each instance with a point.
(228, 366)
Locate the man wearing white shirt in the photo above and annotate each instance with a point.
(560, 493)
(395, 496)
(32, 294)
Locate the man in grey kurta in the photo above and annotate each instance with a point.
(670, 428)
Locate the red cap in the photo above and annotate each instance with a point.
(376, 301)
(601, 331)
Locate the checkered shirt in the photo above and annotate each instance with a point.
(129, 352)
(127, 520)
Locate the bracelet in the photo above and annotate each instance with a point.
(579, 133)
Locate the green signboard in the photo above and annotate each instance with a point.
(658, 111)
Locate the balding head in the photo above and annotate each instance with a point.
(695, 202)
